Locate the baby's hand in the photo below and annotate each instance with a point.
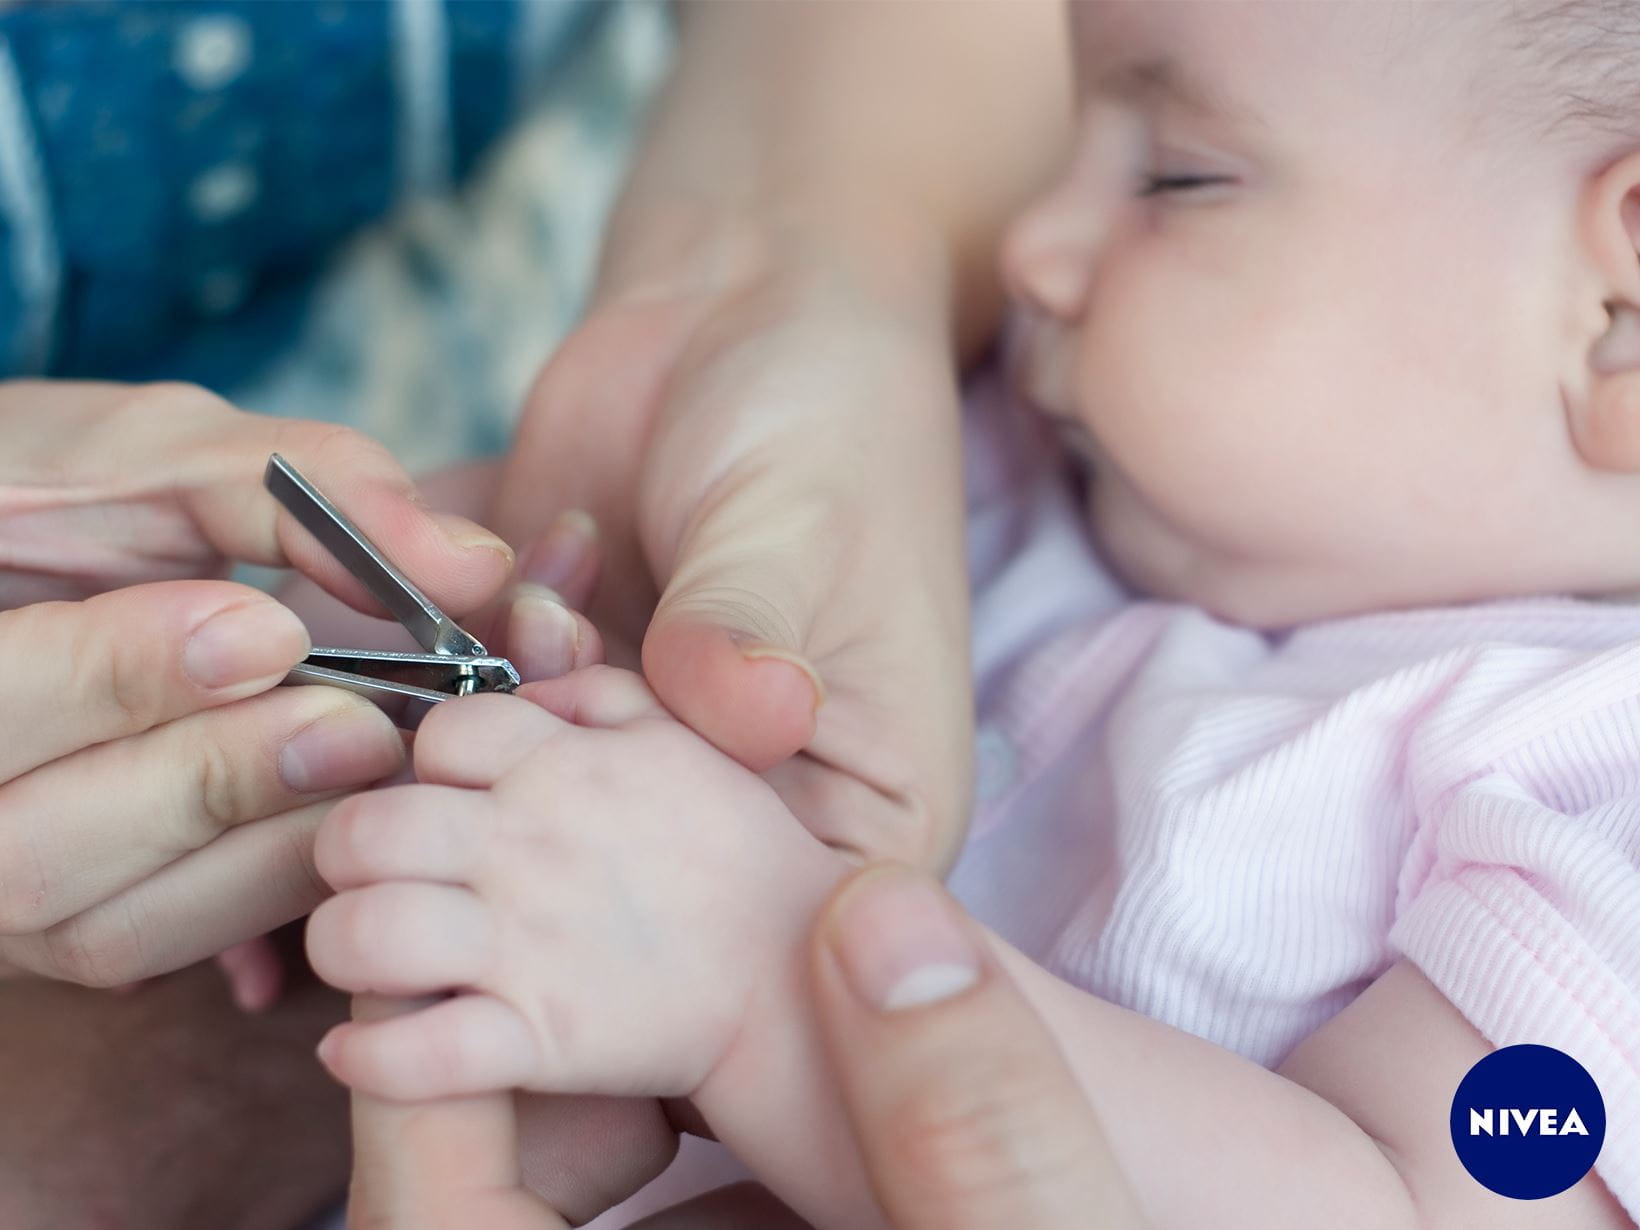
(607, 895)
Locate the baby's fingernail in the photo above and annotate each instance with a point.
(256, 642)
(900, 941)
(759, 653)
(354, 747)
(560, 552)
(542, 636)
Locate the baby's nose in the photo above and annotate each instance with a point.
(1049, 251)
(1047, 258)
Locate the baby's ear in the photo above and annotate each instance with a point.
(1604, 409)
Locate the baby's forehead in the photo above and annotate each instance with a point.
(1531, 65)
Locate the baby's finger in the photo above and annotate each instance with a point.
(475, 741)
(466, 1045)
(401, 939)
(415, 832)
(596, 696)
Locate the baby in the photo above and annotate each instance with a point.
(1339, 304)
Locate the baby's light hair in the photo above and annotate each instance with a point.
(1583, 59)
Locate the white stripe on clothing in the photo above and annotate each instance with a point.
(421, 79)
(36, 262)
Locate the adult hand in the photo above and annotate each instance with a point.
(966, 1112)
(793, 447)
(146, 732)
(761, 411)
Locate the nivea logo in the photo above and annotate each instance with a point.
(1541, 1119)
(1528, 1121)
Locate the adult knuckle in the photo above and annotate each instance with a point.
(116, 672)
(26, 902)
(219, 788)
(332, 446)
(963, 1139)
(740, 606)
(22, 912)
(172, 397)
(300, 848)
(88, 951)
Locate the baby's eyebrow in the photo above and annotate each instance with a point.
(1154, 82)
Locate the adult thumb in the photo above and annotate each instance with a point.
(966, 1113)
(726, 652)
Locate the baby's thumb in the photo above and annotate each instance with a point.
(725, 652)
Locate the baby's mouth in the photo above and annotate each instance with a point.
(1036, 359)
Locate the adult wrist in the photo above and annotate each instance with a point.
(805, 250)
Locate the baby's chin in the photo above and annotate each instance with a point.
(1155, 560)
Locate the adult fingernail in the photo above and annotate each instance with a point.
(556, 557)
(470, 537)
(254, 642)
(354, 747)
(760, 653)
(542, 636)
(900, 941)
(327, 1048)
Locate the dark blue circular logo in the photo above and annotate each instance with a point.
(1528, 1121)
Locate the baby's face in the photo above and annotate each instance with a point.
(1302, 312)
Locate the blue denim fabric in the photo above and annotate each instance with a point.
(199, 161)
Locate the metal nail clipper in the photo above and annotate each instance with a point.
(406, 685)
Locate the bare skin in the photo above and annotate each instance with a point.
(116, 1106)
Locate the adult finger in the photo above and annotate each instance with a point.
(80, 829)
(458, 563)
(538, 621)
(467, 1045)
(966, 1112)
(726, 646)
(456, 1162)
(566, 559)
(125, 661)
(544, 637)
(174, 447)
(441, 1165)
(249, 881)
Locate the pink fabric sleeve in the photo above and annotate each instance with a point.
(1520, 897)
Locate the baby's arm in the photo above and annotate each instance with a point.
(1352, 1131)
(625, 912)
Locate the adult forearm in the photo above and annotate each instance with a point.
(889, 140)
